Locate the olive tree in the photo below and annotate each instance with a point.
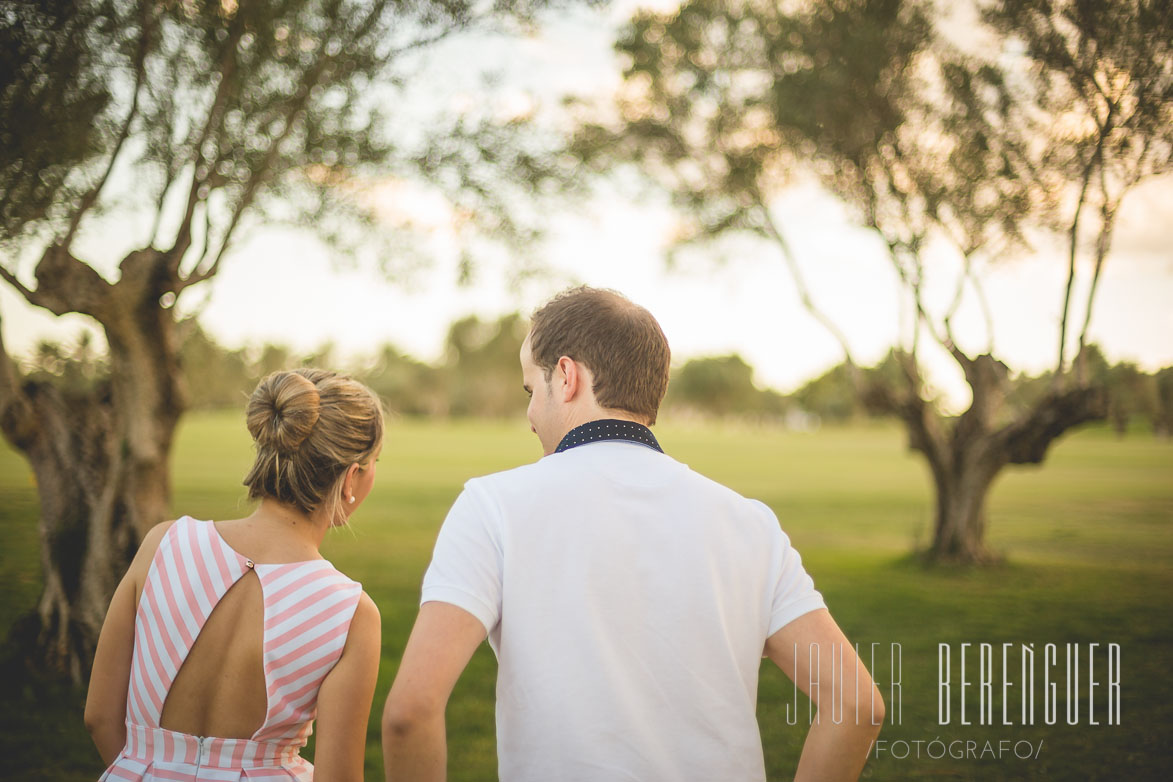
(723, 102)
(174, 125)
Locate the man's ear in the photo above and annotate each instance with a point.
(571, 378)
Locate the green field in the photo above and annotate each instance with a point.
(1087, 541)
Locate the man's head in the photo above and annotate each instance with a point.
(591, 351)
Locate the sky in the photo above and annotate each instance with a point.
(282, 286)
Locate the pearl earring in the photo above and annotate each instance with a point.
(352, 499)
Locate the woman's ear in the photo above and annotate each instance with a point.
(348, 483)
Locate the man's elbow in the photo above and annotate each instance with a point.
(403, 716)
(875, 707)
(865, 712)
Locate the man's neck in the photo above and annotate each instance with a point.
(596, 413)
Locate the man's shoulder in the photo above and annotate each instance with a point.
(521, 480)
(720, 492)
(523, 473)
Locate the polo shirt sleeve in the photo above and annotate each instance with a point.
(467, 561)
(794, 592)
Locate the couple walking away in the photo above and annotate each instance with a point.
(629, 600)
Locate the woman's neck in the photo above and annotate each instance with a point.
(308, 528)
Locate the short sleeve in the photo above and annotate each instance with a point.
(794, 592)
(467, 561)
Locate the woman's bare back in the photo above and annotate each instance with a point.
(220, 688)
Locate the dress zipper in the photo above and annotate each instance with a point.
(200, 758)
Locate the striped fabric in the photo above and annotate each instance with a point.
(307, 608)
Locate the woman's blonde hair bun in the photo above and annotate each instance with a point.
(310, 425)
(283, 411)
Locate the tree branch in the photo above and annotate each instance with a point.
(64, 285)
(1073, 242)
(36, 298)
(956, 303)
(984, 303)
(1085, 182)
(173, 167)
(919, 417)
(970, 276)
(1108, 209)
(775, 233)
(912, 248)
(259, 174)
(207, 237)
(256, 177)
(140, 68)
(56, 272)
(168, 181)
(1074, 67)
(1027, 439)
(227, 71)
(922, 315)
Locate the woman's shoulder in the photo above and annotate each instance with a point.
(155, 534)
(366, 611)
(147, 549)
(366, 625)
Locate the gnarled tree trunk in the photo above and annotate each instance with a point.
(966, 454)
(959, 524)
(100, 455)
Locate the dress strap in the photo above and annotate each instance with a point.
(188, 576)
(308, 609)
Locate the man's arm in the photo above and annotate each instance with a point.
(414, 739)
(831, 752)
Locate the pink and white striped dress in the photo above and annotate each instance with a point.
(308, 608)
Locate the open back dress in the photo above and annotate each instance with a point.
(308, 607)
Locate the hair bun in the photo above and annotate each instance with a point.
(283, 411)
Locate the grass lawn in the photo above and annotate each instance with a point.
(1087, 541)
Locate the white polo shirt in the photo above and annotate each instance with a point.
(628, 600)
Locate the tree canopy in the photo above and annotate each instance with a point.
(167, 128)
(1043, 119)
(725, 103)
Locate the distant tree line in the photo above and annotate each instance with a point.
(1135, 397)
(477, 376)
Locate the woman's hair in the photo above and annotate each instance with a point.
(309, 426)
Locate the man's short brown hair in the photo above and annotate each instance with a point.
(617, 340)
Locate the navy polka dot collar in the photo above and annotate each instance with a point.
(609, 429)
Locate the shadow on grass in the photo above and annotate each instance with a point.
(42, 735)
